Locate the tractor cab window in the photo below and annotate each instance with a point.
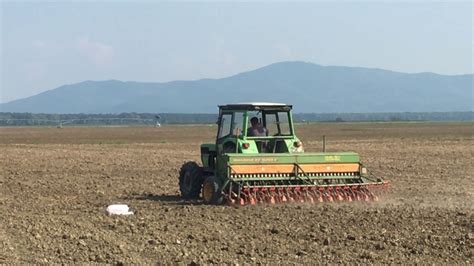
(238, 124)
(225, 125)
(277, 123)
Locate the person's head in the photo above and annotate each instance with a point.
(254, 121)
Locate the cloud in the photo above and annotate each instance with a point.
(98, 53)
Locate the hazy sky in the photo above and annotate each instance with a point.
(46, 45)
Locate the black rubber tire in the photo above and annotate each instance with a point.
(211, 191)
(191, 177)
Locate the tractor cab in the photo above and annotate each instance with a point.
(252, 128)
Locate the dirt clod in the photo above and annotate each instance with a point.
(351, 237)
(274, 231)
(379, 246)
(327, 241)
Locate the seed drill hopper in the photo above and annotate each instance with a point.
(245, 168)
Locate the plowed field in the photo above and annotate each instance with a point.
(56, 183)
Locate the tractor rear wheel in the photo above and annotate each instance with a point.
(211, 191)
(191, 177)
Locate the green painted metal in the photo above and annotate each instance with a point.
(309, 185)
(292, 177)
(290, 120)
(303, 158)
(207, 151)
(252, 149)
(210, 146)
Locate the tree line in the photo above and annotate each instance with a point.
(32, 119)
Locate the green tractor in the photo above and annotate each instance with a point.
(257, 158)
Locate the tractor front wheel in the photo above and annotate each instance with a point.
(190, 180)
(211, 191)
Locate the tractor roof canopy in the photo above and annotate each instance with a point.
(257, 106)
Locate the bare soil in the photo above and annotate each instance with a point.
(56, 183)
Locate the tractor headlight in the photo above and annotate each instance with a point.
(363, 171)
(297, 146)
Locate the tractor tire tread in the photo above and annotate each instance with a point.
(217, 197)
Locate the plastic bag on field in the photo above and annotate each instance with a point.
(118, 209)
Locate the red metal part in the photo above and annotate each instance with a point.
(316, 194)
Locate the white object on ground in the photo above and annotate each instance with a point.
(118, 209)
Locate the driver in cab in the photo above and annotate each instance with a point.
(256, 130)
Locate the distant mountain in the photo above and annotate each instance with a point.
(309, 87)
